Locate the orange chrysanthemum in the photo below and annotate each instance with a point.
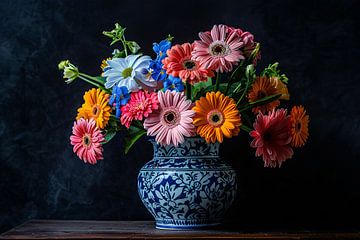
(216, 116)
(96, 106)
(299, 126)
(263, 87)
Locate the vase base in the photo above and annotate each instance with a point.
(185, 225)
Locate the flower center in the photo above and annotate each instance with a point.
(298, 126)
(261, 94)
(215, 118)
(96, 111)
(126, 72)
(170, 117)
(218, 48)
(86, 140)
(266, 137)
(189, 65)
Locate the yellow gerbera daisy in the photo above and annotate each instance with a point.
(96, 106)
(216, 116)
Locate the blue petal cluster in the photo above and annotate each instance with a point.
(156, 66)
(119, 97)
(173, 83)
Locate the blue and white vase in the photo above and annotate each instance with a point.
(188, 186)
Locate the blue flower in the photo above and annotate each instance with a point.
(173, 83)
(161, 48)
(156, 70)
(120, 96)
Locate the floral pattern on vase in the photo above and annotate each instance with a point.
(188, 186)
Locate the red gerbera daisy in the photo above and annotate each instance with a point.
(272, 137)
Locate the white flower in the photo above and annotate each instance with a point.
(128, 72)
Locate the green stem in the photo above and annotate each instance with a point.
(244, 92)
(217, 83)
(188, 90)
(231, 79)
(245, 128)
(123, 40)
(92, 78)
(89, 81)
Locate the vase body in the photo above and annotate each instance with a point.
(188, 186)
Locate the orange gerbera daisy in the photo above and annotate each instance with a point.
(263, 87)
(216, 116)
(96, 106)
(299, 126)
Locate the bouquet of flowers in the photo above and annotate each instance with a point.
(208, 88)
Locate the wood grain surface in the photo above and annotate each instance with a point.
(75, 229)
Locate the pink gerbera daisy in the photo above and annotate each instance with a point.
(272, 137)
(87, 140)
(140, 105)
(178, 63)
(249, 44)
(219, 49)
(172, 121)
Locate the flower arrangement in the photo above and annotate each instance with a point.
(208, 88)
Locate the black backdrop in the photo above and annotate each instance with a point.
(316, 42)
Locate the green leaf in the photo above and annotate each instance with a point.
(203, 91)
(273, 71)
(116, 34)
(110, 134)
(197, 87)
(119, 54)
(260, 102)
(133, 46)
(169, 38)
(134, 134)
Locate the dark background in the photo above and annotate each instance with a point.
(316, 42)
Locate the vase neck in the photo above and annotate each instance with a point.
(195, 146)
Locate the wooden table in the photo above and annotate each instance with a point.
(62, 229)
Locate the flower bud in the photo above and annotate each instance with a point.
(63, 64)
(71, 72)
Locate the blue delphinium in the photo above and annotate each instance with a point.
(173, 83)
(161, 48)
(156, 70)
(156, 66)
(120, 96)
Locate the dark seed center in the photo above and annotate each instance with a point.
(95, 110)
(86, 141)
(267, 136)
(261, 94)
(298, 126)
(215, 118)
(189, 65)
(218, 49)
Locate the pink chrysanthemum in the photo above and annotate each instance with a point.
(87, 140)
(272, 137)
(219, 49)
(140, 105)
(178, 63)
(172, 121)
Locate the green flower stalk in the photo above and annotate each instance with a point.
(71, 72)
